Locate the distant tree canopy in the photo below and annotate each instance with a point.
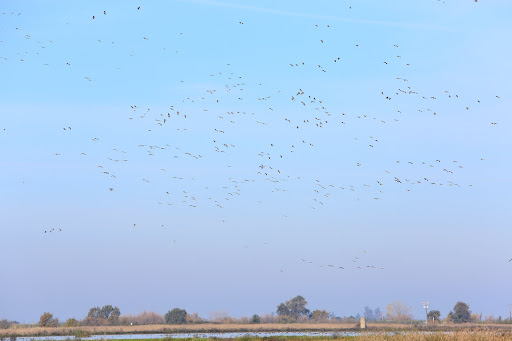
(377, 314)
(255, 319)
(434, 315)
(194, 318)
(399, 311)
(5, 323)
(71, 322)
(372, 315)
(176, 316)
(460, 313)
(294, 308)
(319, 315)
(47, 320)
(107, 315)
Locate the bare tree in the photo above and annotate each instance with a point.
(194, 318)
(399, 311)
(144, 318)
(219, 317)
(268, 318)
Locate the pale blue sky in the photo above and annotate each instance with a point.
(234, 233)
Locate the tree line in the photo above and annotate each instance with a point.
(109, 315)
(293, 310)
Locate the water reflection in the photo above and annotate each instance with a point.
(185, 336)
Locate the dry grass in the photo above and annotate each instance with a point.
(439, 336)
(461, 331)
(159, 328)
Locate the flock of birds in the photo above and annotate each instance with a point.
(53, 230)
(270, 163)
(356, 260)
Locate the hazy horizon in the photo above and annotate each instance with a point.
(229, 155)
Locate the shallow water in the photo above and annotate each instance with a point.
(186, 335)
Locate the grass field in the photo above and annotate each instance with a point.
(84, 331)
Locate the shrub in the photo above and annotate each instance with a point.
(286, 319)
(4, 324)
(320, 315)
(143, 318)
(47, 320)
(176, 316)
(80, 333)
(269, 318)
(255, 319)
(71, 322)
(220, 317)
(149, 317)
(194, 318)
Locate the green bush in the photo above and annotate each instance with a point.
(176, 316)
(255, 319)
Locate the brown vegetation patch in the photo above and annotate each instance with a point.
(268, 327)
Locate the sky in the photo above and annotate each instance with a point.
(230, 155)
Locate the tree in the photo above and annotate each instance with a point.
(5, 324)
(113, 317)
(319, 315)
(368, 313)
(399, 311)
(475, 318)
(101, 316)
(294, 308)
(71, 322)
(220, 317)
(176, 316)
(107, 311)
(434, 315)
(94, 313)
(283, 310)
(47, 320)
(255, 319)
(194, 318)
(460, 313)
(377, 314)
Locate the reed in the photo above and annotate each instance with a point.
(219, 328)
(439, 336)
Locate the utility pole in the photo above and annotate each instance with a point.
(425, 305)
(510, 312)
